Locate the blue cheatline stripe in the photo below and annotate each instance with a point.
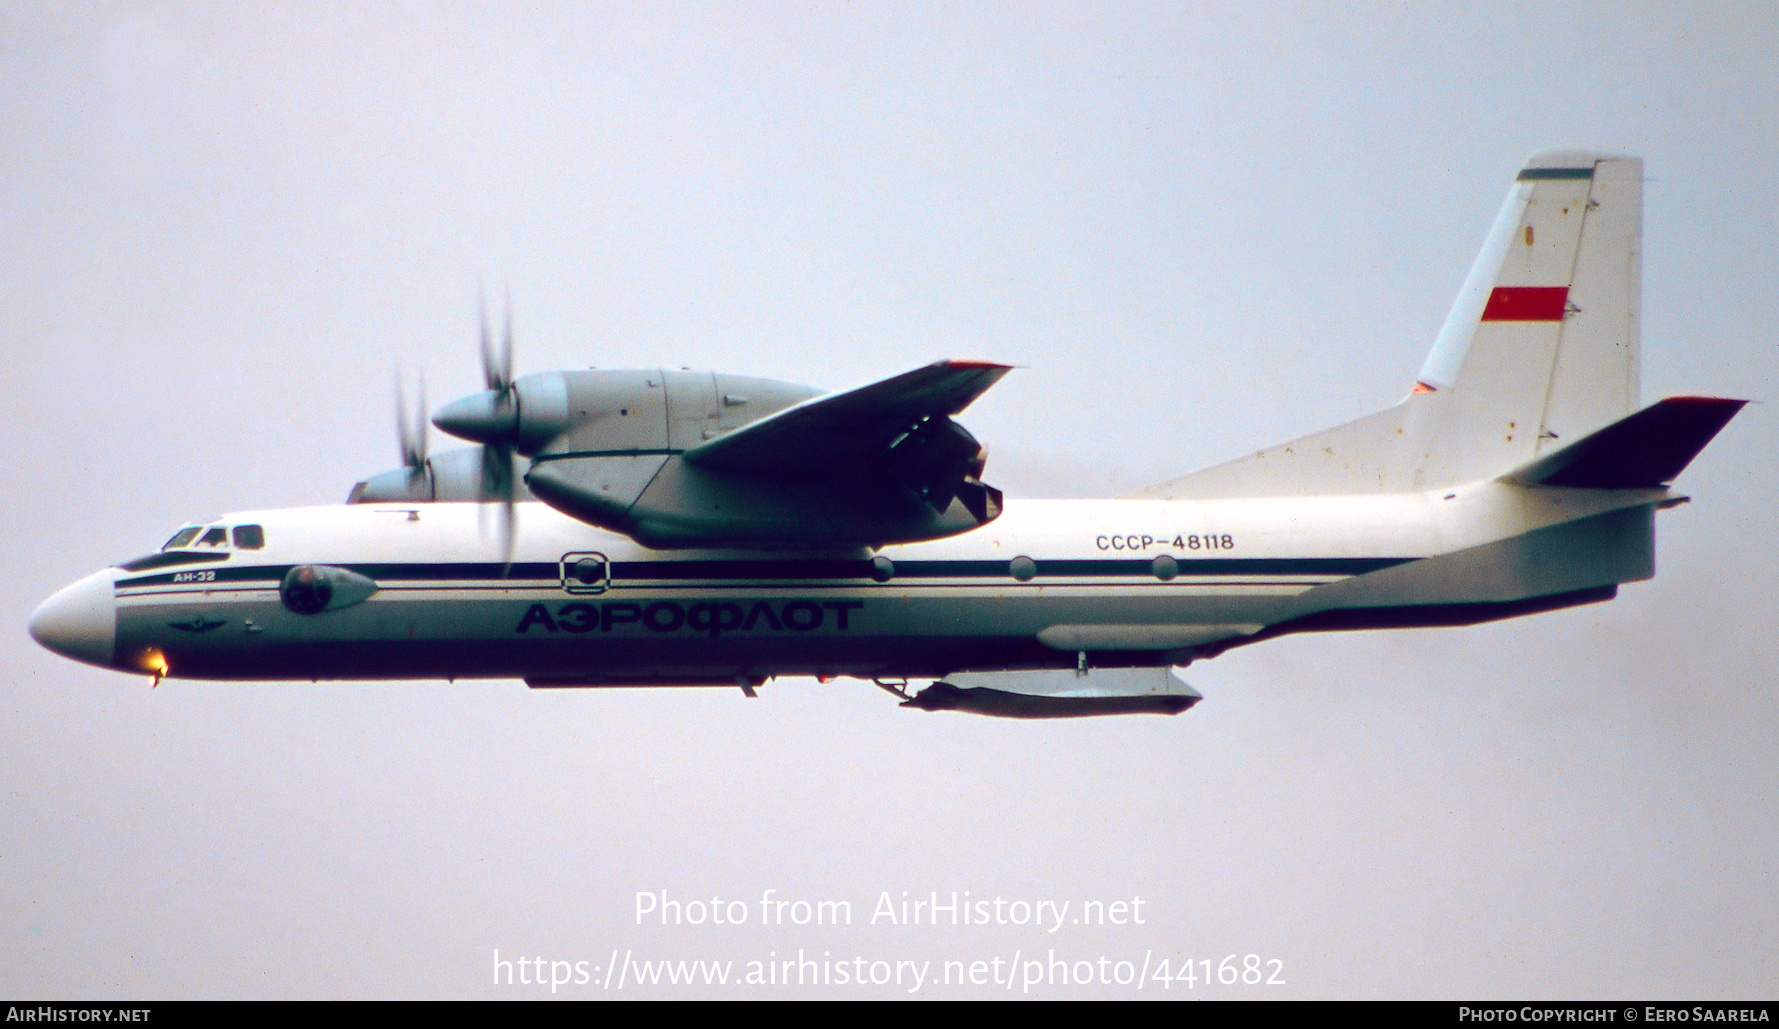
(1557, 173)
(428, 571)
(815, 569)
(657, 571)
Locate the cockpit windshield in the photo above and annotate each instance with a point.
(216, 537)
(182, 537)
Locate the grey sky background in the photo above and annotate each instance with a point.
(1198, 231)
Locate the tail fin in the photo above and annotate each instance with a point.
(1540, 349)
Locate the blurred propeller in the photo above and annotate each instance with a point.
(497, 453)
(497, 372)
(411, 436)
(491, 418)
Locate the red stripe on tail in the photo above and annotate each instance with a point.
(1526, 304)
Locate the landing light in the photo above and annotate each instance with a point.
(154, 663)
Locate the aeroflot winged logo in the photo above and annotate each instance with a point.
(653, 527)
(196, 625)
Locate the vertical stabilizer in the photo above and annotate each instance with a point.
(1541, 346)
(1540, 349)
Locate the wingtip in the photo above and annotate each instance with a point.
(964, 363)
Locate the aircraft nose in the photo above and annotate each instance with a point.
(80, 621)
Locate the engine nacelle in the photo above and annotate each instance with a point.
(643, 412)
(451, 476)
(610, 448)
(664, 501)
(615, 410)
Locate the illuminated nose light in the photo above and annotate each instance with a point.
(154, 663)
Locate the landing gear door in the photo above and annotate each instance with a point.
(586, 571)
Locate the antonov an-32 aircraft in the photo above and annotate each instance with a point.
(665, 528)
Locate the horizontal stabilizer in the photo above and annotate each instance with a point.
(1646, 449)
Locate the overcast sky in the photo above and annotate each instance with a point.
(1198, 232)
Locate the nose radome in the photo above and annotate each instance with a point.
(80, 621)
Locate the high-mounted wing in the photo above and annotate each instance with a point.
(830, 433)
(871, 466)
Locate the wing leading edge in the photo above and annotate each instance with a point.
(842, 429)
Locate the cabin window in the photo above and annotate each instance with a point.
(216, 536)
(249, 537)
(182, 537)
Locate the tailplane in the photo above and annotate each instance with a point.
(1648, 449)
(1539, 350)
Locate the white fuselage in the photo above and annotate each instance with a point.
(1051, 583)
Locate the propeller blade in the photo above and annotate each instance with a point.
(420, 421)
(486, 340)
(402, 441)
(497, 471)
(410, 436)
(497, 369)
(507, 526)
(506, 344)
(499, 485)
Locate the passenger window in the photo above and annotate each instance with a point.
(182, 537)
(249, 537)
(216, 537)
